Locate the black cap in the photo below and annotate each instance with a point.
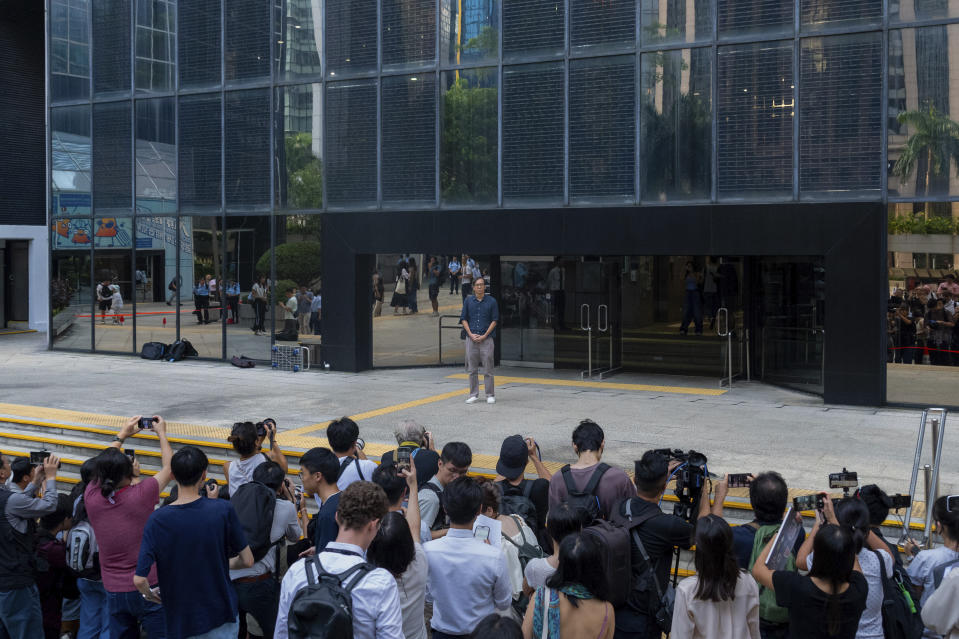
(513, 457)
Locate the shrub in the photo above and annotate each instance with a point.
(297, 261)
(61, 293)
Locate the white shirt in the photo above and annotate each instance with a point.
(412, 589)
(285, 524)
(350, 474)
(921, 569)
(259, 291)
(241, 470)
(376, 602)
(537, 572)
(468, 581)
(316, 304)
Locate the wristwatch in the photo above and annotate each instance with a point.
(117, 438)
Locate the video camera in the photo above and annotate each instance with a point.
(690, 476)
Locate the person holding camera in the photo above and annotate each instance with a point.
(257, 590)
(20, 613)
(418, 443)
(828, 602)
(192, 544)
(922, 570)
(454, 462)
(118, 509)
(528, 498)
(247, 439)
(659, 534)
(875, 559)
(344, 437)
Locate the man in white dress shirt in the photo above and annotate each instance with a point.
(468, 577)
(376, 602)
(343, 435)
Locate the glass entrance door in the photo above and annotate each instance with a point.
(587, 313)
(526, 316)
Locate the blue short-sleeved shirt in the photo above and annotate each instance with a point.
(191, 545)
(202, 290)
(434, 278)
(480, 313)
(454, 267)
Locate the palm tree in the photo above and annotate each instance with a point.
(936, 137)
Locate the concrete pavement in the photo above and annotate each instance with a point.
(749, 428)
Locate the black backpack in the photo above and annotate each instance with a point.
(900, 614)
(442, 521)
(153, 350)
(526, 551)
(180, 349)
(585, 499)
(324, 608)
(254, 504)
(513, 503)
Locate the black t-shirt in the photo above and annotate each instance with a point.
(807, 605)
(425, 461)
(659, 536)
(539, 495)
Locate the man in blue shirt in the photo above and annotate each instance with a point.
(479, 319)
(201, 297)
(454, 269)
(194, 543)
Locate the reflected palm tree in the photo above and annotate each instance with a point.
(935, 140)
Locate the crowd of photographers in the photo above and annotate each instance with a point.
(414, 547)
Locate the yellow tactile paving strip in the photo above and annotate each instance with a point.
(546, 381)
(179, 432)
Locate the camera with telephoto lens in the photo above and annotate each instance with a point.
(690, 476)
(809, 502)
(845, 480)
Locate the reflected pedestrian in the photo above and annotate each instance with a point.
(479, 318)
(377, 294)
(201, 301)
(105, 298)
(259, 294)
(454, 269)
(412, 286)
(433, 274)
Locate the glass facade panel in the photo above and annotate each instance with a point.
(755, 110)
(602, 128)
(157, 304)
(409, 138)
(533, 27)
(201, 255)
(755, 17)
(676, 21)
(199, 43)
(69, 49)
(815, 14)
(155, 45)
(409, 32)
(533, 131)
(841, 113)
(247, 252)
(71, 295)
(156, 156)
(112, 266)
(111, 47)
(911, 10)
(299, 47)
(70, 167)
(112, 157)
(246, 52)
(469, 31)
(198, 150)
(923, 111)
(299, 150)
(469, 142)
(351, 142)
(676, 116)
(350, 37)
(247, 149)
(610, 24)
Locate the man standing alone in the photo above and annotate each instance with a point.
(479, 319)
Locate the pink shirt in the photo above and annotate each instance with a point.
(953, 288)
(119, 529)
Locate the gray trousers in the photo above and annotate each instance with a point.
(477, 355)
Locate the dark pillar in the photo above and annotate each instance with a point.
(347, 307)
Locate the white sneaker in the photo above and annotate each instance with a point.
(472, 399)
(490, 400)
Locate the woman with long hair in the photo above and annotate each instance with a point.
(562, 521)
(573, 603)
(873, 556)
(721, 600)
(828, 602)
(922, 569)
(400, 288)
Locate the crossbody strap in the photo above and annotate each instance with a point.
(649, 564)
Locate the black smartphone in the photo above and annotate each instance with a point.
(37, 456)
(900, 501)
(403, 456)
(739, 480)
(808, 502)
(146, 423)
(845, 479)
(130, 452)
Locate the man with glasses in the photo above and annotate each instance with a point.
(454, 462)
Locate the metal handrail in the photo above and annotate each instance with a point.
(722, 330)
(932, 484)
(439, 333)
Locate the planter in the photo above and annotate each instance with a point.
(62, 321)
